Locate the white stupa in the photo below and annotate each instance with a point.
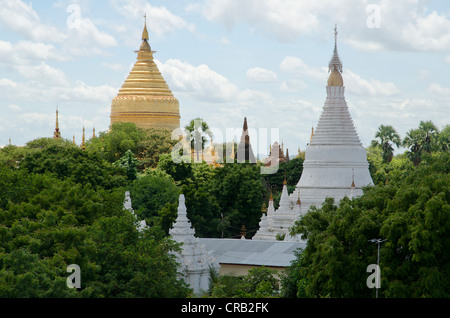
(195, 260)
(335, 161)
(275, 225)
(127, 205)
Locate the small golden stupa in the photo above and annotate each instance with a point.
(145, 98)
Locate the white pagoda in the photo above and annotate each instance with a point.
(335, 163)
(196, 262)
(335, 160)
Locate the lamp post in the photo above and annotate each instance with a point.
(378, 241)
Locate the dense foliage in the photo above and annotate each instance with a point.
(409, 208)
(61, 205)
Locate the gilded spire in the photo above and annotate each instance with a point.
(57, 133)
(83, 140)
(145, 36)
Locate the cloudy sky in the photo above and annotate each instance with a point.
(224, 60)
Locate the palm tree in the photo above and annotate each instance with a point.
(197, 131)
(429, 134)
(412, 141)
(387, 135)
(424, 138)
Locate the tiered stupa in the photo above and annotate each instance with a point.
(275, 225)
(195, 260)
(335, 161)
(145, 98)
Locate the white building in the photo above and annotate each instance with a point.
(335, 163)
(195, 260)
(335, 160)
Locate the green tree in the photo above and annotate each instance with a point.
(260, 282)
(113, 145)
(197, 130)
(203, 209)
(153, 146)
(240, 193)
(129, 163)
(387, 135)
(411, 211)
(48, 221)
(423, 139)
(154, 197)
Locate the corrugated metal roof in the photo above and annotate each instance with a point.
(249, 252)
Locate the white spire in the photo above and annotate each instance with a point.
(335, 62)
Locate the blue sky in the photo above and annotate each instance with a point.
(225, 60)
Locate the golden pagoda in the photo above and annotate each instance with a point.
(145, 98)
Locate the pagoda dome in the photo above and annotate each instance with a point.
(335, 79)
(145, 99)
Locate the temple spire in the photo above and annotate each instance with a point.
(145, 36)
(83, 140)
(335, 62)
(57, 133)
(335, 65)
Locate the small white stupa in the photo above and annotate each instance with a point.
(277, 223)
(266, 230)
(195, 260)
(335, 163)
(127, 205)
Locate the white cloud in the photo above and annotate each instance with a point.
(405, 24)
(31, 91)
(86, 34)
(284, 20)
(21, 18)
(23, 52)
(373, 87)
(261, 75)
(352, 81)
(439, 90)
(200, 82)
(159, 19)
(14, 107)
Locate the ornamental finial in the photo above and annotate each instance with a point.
(335, 63)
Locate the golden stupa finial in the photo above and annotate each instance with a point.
(145, 36)
(93, 133)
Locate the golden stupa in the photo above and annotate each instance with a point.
(145, 98)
